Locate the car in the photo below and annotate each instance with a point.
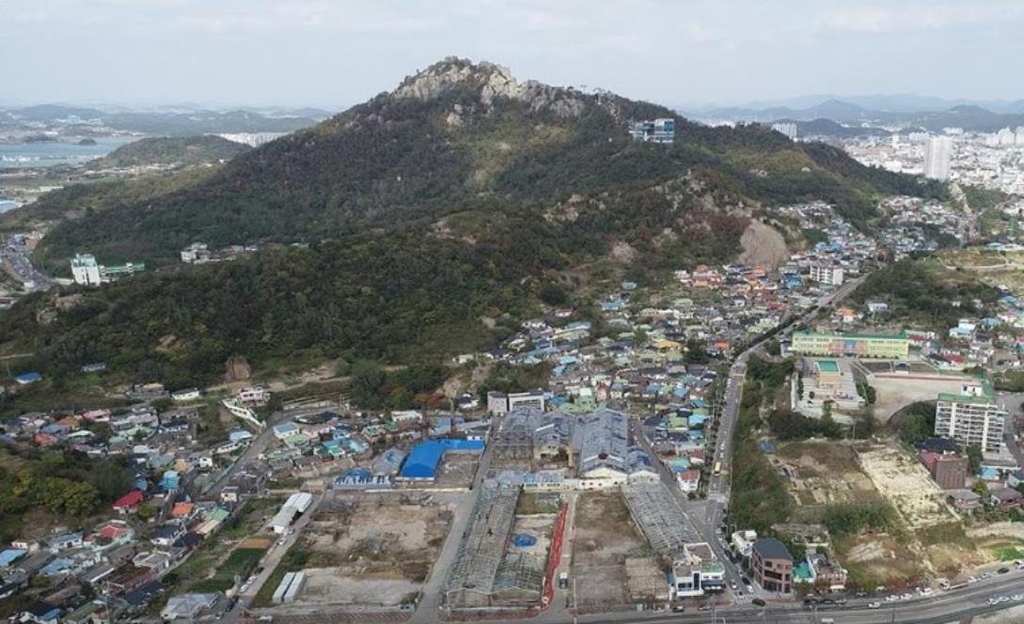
(986, 575)
(745, 580)
(678, 608)
(749, 589)
(971, 579)
(757, 602)
(704, 607)
(860, 594)
(1002, 570)
(1017, 597)
(739, 594)
(991, 601)
(732, 584)
(874, 605)
(891, 598)
(1002, 599)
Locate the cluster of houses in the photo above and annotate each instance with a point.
(121, 559)
(154, 525)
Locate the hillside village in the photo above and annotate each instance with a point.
(234, 498)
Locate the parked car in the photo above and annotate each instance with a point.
(874, 605)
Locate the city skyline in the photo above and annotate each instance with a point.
(310, 52)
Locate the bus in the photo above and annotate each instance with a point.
(718, 468)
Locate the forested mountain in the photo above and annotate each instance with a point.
(432, 216)
(193, 150)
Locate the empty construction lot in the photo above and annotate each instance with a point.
(822, 473)
(373, 549)
(605, 538)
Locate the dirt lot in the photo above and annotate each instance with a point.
(907, 485)
(604, 538)
(537, 526)
(457, 470)
(373, 549)
(895, 393)
(825, 472)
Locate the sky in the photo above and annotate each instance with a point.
(335, 53)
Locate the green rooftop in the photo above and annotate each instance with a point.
(987, 396)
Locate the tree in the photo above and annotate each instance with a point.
(974, 457)
(366, 382)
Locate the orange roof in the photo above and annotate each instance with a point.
(182, 509)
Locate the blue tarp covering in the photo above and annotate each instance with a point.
(424, 457)
(523, 541)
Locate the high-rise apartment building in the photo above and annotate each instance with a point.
(971, 417)
(938, 152)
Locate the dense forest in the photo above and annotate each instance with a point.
(429, 225)
(925, 293)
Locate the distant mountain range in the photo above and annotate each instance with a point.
(870, 113)
(179, 120)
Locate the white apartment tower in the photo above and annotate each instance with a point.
(938, 152)
(971, 417)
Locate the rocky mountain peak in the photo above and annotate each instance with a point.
(488, 81)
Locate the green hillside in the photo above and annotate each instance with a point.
(433, 215)
(185, 151)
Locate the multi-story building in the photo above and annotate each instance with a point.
(196, 253)
(948, 471)
(858, 345)
(771, 565)
(501, 403)
(88, 272)
(786, 128)
(971, 417)
(696, 572)
(827, 274)
(85, 270)
(656, 131)
(938, 153)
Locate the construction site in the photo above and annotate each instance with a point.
(502, 558)
(372, 550)
(660, 517)
(612, 566)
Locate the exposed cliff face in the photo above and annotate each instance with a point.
(489, 82)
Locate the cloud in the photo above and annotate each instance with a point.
(916, 17)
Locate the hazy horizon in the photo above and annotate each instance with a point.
(261, 53)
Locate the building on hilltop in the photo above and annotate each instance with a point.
(85, 270)
(971, 417)
(654, 131)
